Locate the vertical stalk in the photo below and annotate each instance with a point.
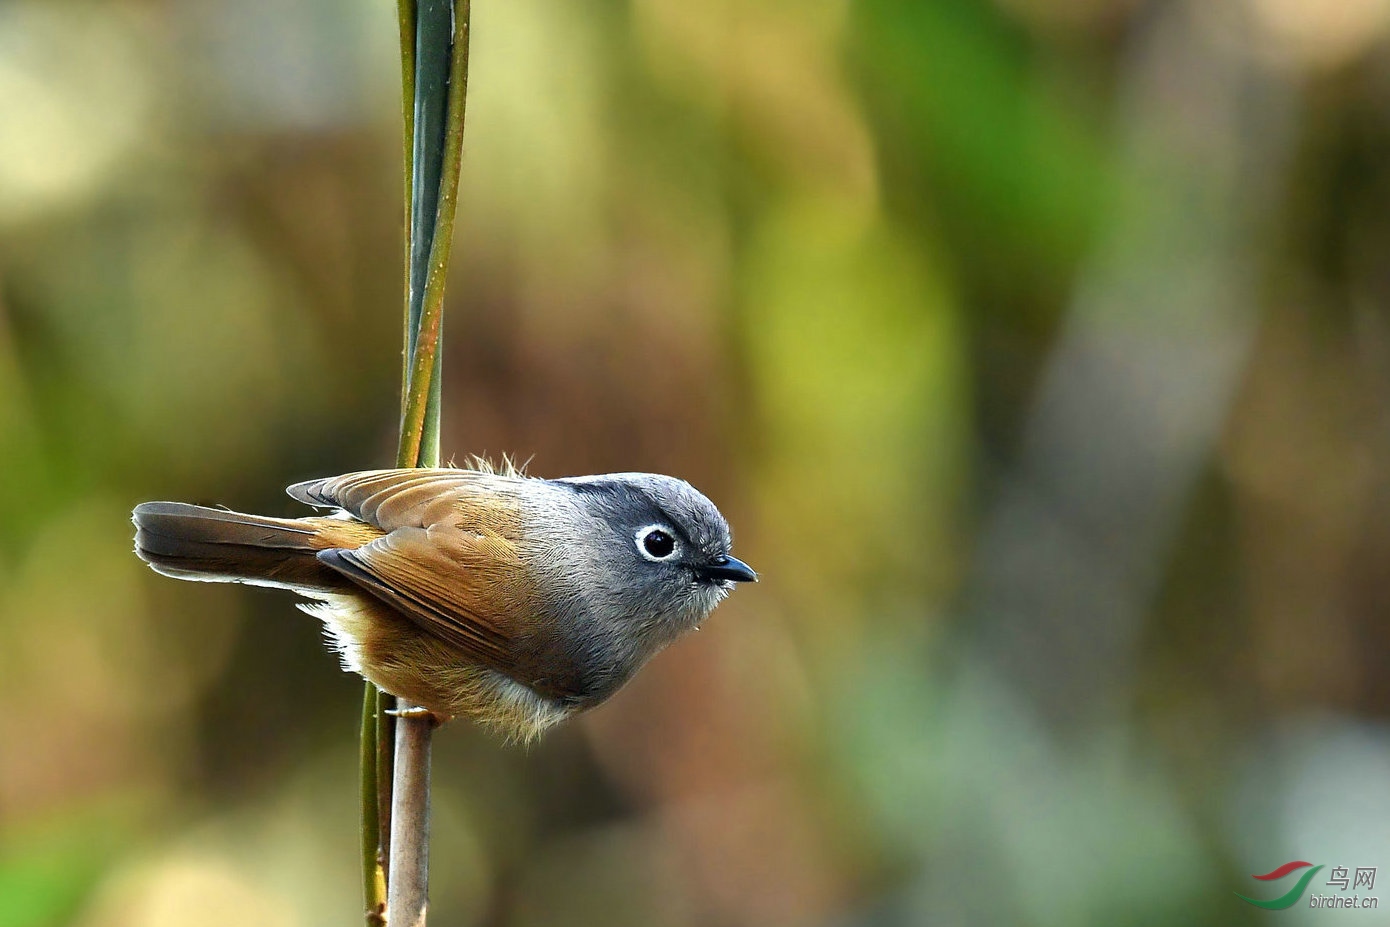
(435, 77)
(373, 876)
(385, 759)
(408, 890)
(375, 736)
(406, 19)
(441, 90)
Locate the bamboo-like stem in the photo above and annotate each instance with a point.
(375, 737)
(385, 760)
(437, 153)
(419, 445)
(406, 18)
(373, 878)
(408, 892)
(432, 186)
(406, 14)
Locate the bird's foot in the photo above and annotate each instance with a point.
(416, 712)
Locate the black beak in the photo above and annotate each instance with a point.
(730, 568)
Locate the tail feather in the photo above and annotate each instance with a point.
(215, 545)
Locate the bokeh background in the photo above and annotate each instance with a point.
(1038, 350)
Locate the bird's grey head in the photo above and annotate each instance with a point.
(667, 542)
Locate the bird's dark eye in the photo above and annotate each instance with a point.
(656, 544)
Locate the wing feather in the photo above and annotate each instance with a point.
(393, 499)
(448, 561)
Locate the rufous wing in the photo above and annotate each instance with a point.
(391, 499)
(448, 560)
(466, 589)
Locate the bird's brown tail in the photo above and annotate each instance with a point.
(215, 545)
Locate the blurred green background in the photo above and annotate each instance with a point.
(1038, 351)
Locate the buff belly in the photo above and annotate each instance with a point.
(381, 645)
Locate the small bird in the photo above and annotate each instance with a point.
(483, 592)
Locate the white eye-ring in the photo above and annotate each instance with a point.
(656, 543)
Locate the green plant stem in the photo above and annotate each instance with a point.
(373, 877)
(419, 445)
(438, 99)
(406, 16)
(385, 749)
(434, 27)
(376, 734)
